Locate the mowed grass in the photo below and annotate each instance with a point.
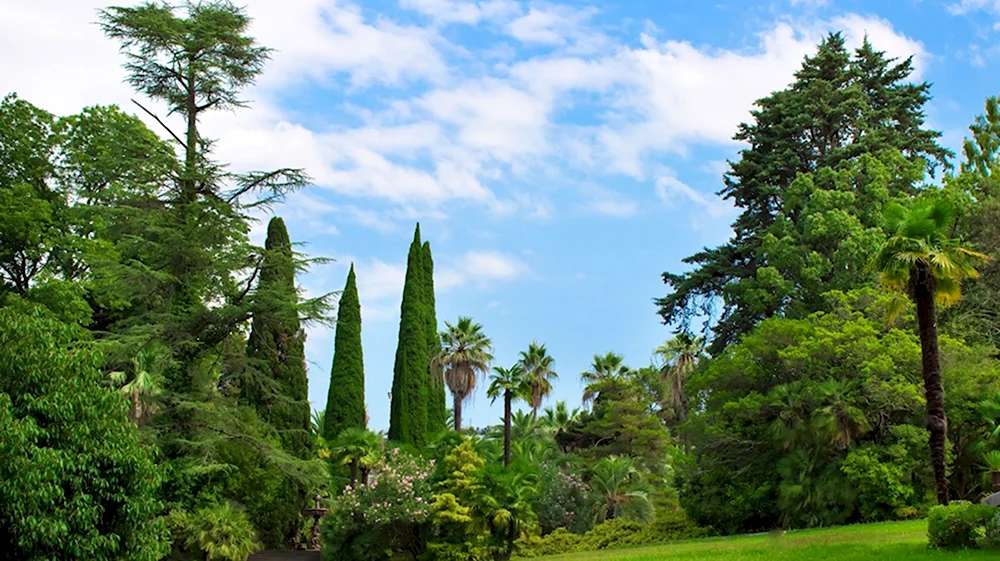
(889, 541)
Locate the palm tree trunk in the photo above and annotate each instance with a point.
(937, 425)
(457, 409)
(364, 475)
(354, 472)
(507, 397)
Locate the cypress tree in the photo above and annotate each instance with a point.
(408, 409)
(436, 404)
(345, 403)
(276, 383)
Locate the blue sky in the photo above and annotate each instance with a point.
(558, 155)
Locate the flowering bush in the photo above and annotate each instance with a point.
(389, 514)
(564, 501)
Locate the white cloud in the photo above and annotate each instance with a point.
(967, 6)
(463, 11)
(809, 3)
(675, 192)
(313, 38)
(479, 268)
(457, 137)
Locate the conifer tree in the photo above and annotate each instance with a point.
(277, 385)
(408, 409)
(345, 404)
(436, 405)
(840, 109)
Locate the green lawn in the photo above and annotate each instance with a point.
(877, 542)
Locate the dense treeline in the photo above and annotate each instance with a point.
(153, 389)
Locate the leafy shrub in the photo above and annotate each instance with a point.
(215, 533)
(959, 525)
(907, 513)
(564, 501)
(615, 533)
(882, 487)
(75, 482)
(388, 515)
(669, 526)
(558, 541)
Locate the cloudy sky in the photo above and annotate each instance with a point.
(558, 155)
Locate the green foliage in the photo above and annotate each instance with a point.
(621, 423)
(389, 515)
(276, 383)
(785, 407)
(437, 408)
(610, 535)
(959, 525)
(466, 353)
(75, 482)
(219, 532)
(799, 237)
(564, 501)
(345, 403)
(408, 408)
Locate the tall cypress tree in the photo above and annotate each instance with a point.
(408, 409)
(345, 402)
(276, 383)
(436, 404)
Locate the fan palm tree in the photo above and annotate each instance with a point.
(680, 355)
(504, 504)
(145, 386)
(510, 383)
(922, 260)
(537, 364)
(839, 418)
(605, 367)
(466, 353)
(559, 417)
(358, 448)
(615, 479)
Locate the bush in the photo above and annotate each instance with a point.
(75, 483)
(389, 515)
(215, 533)
(669, 526)
(564, 501)
(558, 541)
(960, 525)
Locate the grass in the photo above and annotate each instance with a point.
(889, 541)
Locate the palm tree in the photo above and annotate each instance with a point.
(466, 353)
(537, 364)
(358, 448)
(509, 382)
(559, 417)
(144, 388)
(608, 366)
(839, 418)
(922, 260)
(614, 479)
(680, 355)
(504, 504)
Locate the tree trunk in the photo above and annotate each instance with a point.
(923, 294)
(610, 514)
(457, 410)
(507, 397)
(364, 475)
(354, 473)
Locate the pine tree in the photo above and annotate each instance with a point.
(276, 383)
(345, 404)
(839, 109)
(408, 409)
(436, 405)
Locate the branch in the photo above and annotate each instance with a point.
(256, 271)
(153, 115)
